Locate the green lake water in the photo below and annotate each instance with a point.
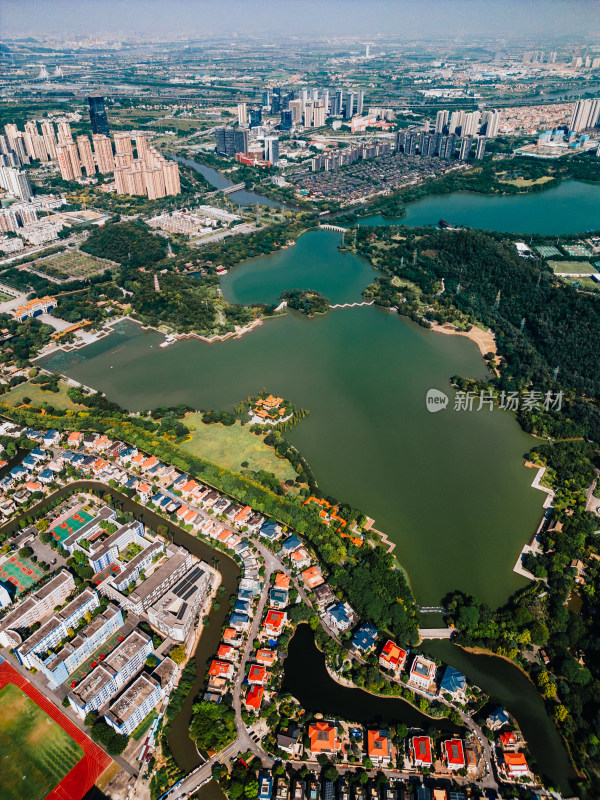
(314, 262)
(571, 207)
(449, 489)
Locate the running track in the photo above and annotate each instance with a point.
(87, 771)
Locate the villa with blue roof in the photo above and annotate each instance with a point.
(453, 683)
(365, 637)
(291, 543)
(270, 531)
(497, 719)
(340, 616)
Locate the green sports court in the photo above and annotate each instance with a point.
(20, 572)
(70, 526)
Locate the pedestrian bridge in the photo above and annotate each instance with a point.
(436, 633)
(431, 609)
(327, 227)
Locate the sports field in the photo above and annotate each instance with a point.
(572, 267)
(21, 572)
(70, 525)
(43, 755)
(36, 752)
(577, 250)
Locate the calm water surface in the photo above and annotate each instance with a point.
(571, 207)
(508, 686)
(449, 489)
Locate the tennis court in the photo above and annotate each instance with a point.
(547, 250)
(577, 250)
(21, 572)
(70, 526)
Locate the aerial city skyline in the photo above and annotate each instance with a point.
(299, 385)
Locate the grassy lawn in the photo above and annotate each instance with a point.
(572, 267)
(36, 752)
(584, 283)
(58, 399)
(4, 298)
(229, 446)
(522, 182)
(144, 726)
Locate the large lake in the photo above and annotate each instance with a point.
(571, 207)
(449, 489)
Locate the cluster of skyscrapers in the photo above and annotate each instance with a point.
(307, 107)
(465, 123)
(145, 172)
(586, 115)
(441, 145)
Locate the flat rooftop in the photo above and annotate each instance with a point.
(126, 704)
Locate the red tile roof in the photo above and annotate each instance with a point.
(422, 749)
(254, 697)
(454, 752)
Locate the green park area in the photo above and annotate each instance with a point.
(37, 396)
(572, 267)
(72, 264)
(36, 752)
(231, 446)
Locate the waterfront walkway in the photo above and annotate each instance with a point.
(353, 305)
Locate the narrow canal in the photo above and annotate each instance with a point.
(182, 747)
(307, 679)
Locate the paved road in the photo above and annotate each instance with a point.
(244, 740)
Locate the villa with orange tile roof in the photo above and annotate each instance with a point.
(75, 438)
(150, 462)
(221, 669)
(378, 746)
(227, 652)
(508, 739)
(144, 490)
(323, 738)
(242, 515)
(232, 636)
(257, 674)
(254, 697)
(33, 486)
(102, 443)
(300, 558)
(392, 657)
(282, 581)
(181, 512)
(313, 577)
(138, 460)
(266, 657)
(188, 488)
(515, 766)
(274, 622)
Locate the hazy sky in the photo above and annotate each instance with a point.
(326, 17)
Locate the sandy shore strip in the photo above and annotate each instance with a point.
(484, 340)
